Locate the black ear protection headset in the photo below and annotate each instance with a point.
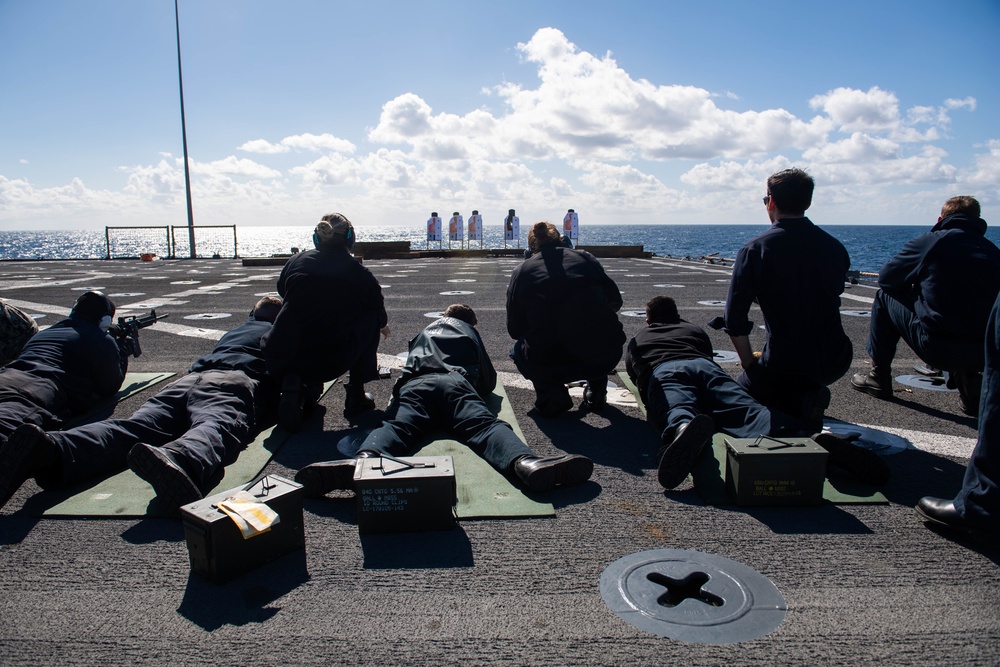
(93, 305)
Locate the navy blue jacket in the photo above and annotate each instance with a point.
(329, 298)
(560, 301)
(660, 342)
(449, 345)
(78, 358)
(238, 350)
(950, 276)
(795, 272)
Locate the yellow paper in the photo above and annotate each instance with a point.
(252, 517)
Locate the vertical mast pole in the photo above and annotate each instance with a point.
(187, 169)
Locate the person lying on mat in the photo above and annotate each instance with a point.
(179, 440)
(688, 396)
(444, 381)
(64, 371)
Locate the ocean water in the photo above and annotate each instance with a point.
(869, 245)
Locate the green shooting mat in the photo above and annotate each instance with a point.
(709, 474)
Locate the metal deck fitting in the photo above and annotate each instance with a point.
(692, 596)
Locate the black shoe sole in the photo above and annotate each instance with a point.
(946, 529)
(568, 470)
(927, 371)
(941, 524)
(678, 459)
(969, 405)
(173, 487)
(815, 404)
(877, 392)
(595, 403)
(319, 479)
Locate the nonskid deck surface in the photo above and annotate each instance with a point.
(864, 584)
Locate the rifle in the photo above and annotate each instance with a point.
(126, 332)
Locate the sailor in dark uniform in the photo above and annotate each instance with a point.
(562, 311)
(935, 294)
(64, 370)
(179, 440)
(329, 324)
(795, 272)
(688, 397)
(443, 385)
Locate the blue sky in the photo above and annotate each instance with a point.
(629, 112)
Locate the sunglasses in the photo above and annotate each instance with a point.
(767, 200)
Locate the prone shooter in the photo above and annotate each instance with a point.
(63, 371)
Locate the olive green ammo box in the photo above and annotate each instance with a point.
(216, 546)
(772, 471)
(405, 494)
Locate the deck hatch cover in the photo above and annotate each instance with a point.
(692, 596)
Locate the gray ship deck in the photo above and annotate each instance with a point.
(864, 584)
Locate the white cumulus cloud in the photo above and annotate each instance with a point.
(859, 111)
(315, 143)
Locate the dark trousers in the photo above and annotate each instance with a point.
(679, 390)
(27, 399)
(204, 419)
(321, 357)
(556, 371)
(360, 359)
(772, 385)
(893, 320)
(979, 499)
(446, 401)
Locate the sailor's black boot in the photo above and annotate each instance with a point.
(357, 401)
(876, 382)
